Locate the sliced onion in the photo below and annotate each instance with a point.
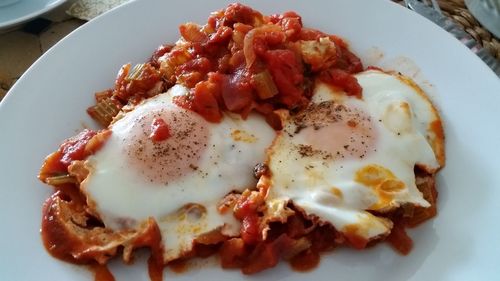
(264, 85)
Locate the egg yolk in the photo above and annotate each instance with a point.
(383, 183)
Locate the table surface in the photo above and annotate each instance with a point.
(19, 48)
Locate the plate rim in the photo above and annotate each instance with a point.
(31, 70)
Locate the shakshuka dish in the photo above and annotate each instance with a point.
(251, 138)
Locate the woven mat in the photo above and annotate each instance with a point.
(458, 12)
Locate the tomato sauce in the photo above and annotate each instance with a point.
(155, 269)
(102, 273)
(305, 261)
(178, 266)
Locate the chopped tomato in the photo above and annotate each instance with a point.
(78, 147)
(158, 53)
(290, 22)
(193, 71)
(184, 101)
(221, 36)
(237, 12)
(287, 74)
(310, 34)
(244, 207)
(205, 103)
(159, 130)
(74, 148)
(250, 229)
(343, 80)
(145, 81)
(351, 63)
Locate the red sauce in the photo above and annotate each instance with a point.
(159, 130)
(250, 230)
(178, 266)
(399, 239)
(102, 273)
(372, 67)
(305, 261)
(155, 269)
(54, 235)
(246, 211)
(74, 148)
(343, 80)
(70, 150)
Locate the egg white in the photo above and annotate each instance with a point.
(389, 134)
(184, 204)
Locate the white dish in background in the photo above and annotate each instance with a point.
(4, 3)
(24, 10)
(48, 105)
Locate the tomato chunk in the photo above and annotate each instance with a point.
(159, 130)
(236, 92)
(205, 103)
(250, 229)
(287, 73)
(74, 148)
(343, 80)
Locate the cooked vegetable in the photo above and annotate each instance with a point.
(264, 85)
(104, 111)
(58, 180)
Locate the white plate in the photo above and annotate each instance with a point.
(25, 10)
(48, 104)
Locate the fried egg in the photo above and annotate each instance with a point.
(178, 181)
(343, 156)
